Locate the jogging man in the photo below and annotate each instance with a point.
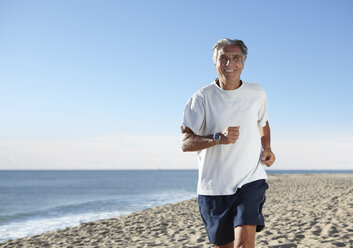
(226, 122)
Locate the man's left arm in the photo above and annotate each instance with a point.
(268, 158)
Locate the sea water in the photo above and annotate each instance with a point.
(32, 202)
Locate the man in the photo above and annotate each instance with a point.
(226, 123)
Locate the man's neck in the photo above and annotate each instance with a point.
(229, 85)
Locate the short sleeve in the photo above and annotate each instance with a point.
(262, 115)
(194, 113)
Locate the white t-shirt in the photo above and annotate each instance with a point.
(224, 168)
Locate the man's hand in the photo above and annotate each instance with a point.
(229, 135)
(268, 158)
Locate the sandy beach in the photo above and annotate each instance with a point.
(301, 211)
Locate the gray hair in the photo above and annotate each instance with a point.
(227, 42)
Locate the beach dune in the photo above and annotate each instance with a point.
(312, 210)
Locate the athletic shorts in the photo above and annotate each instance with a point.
(221, 214)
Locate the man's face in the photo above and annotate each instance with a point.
(229, 64)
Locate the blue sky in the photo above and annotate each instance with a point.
(93, 79)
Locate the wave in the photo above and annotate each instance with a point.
(50, 212)
(36, 226)
(72, 214)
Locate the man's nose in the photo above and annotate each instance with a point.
(228, 62)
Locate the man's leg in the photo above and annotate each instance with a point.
(249, 218)
(229, 245)
(244, 236)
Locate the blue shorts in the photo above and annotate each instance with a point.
(221, 214)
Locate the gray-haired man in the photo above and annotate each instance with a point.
(226, 123)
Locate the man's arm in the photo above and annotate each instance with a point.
(268, 158)
(191, 142)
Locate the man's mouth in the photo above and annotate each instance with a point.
(229, 70)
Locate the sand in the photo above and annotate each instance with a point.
(301, 211)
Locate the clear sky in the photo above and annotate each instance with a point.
(102, 84)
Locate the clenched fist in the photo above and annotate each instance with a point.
(229, 135)
(268, 158)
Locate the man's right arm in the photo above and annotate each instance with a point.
(191, 142)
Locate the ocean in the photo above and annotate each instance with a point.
(32, 202)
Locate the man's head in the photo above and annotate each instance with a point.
(229, 57)
(227, 42)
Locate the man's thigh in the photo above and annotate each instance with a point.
(244, 236)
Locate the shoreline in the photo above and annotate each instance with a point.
(301, 210)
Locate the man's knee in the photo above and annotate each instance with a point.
(244, 236)
(229, 245)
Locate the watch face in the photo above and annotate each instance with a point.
(217, 136)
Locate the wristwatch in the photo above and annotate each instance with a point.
(217, 138)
